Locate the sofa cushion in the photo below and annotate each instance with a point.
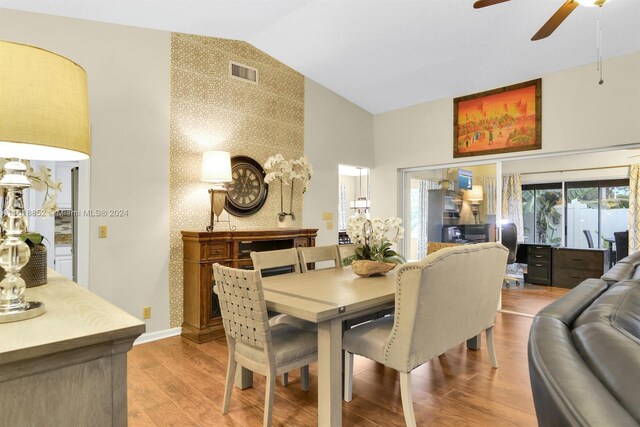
(565, 390)
(289, 344)
(603, 307)
(614, 357)
(621, 271)
(567, 308)
(369, 339)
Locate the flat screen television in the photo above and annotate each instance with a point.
(465, 179)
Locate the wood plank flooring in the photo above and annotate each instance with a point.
(174, 382)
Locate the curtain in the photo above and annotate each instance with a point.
(423, 214)
(634, 208)
(343, 207)
(489, 189)
(512, 202)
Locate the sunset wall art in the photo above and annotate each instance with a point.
(498, 121)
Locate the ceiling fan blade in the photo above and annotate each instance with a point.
(484, 3)
(555, 21)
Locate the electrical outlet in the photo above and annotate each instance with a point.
(329, 225)
(146, 312)
(102, 232)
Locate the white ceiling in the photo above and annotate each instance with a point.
(386, 54)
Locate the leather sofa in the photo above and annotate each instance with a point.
(584, 352)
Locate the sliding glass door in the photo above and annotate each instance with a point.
(542, 207)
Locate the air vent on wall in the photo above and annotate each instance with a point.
(243, 72)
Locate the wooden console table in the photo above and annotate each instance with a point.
(202, 321)
(67, 367)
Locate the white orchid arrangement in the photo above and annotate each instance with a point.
(376, 237)
(288, 171)
(41, 181)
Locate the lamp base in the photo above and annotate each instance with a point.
(27, 310)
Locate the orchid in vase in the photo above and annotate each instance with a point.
(376, 237)
(287, 172)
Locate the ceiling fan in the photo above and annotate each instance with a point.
(555, 20)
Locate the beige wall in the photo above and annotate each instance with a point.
(212, 111)
(128, 77)
(577, 113)
(335, 131)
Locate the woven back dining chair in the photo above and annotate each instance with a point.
(252, 342)
(287, 259)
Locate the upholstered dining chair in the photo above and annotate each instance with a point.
(441, 301)
(319, 254)
(253, 343)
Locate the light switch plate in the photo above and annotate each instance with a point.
(327, 216)
(102, 232)
(329, 225)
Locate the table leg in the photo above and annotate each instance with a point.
(330, 373)
(244, 378)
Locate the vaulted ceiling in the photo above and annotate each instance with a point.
(386, 54)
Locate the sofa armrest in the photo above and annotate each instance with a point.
(569, 307)
(565, 391)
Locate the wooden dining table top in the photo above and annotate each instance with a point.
(321, 295)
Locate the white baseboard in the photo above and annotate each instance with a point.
(158, 335)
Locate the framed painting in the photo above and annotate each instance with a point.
(497, 121)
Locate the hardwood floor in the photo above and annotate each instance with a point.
(174, 382)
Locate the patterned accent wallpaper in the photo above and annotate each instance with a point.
(212, 111)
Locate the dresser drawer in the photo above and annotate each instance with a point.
(569, 278)
(215, 250)
(539, 250)
(579, 260)
(539, 273)
(534, 258)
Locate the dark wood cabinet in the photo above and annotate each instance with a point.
(202, 249)
(539, 262)
(572, 266)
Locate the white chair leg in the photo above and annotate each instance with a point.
(491, 348)
(304, 378)
(269, 397)
(231, 373)
(407, 400)
(348, 376)
(285, 379)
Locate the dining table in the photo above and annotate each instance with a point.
(326, 297)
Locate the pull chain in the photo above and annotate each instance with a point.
(599, 48)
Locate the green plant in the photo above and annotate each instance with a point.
(32, 239)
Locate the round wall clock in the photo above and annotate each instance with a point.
(247, 190)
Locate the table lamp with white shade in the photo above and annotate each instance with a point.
(44, 115)
(216, 169)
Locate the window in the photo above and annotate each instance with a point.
(542, 209)
(595, 209)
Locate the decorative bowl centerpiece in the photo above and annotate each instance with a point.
(375, 256)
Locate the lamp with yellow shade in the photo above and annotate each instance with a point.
(216, 169)
(475, 196)
(44, 115)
